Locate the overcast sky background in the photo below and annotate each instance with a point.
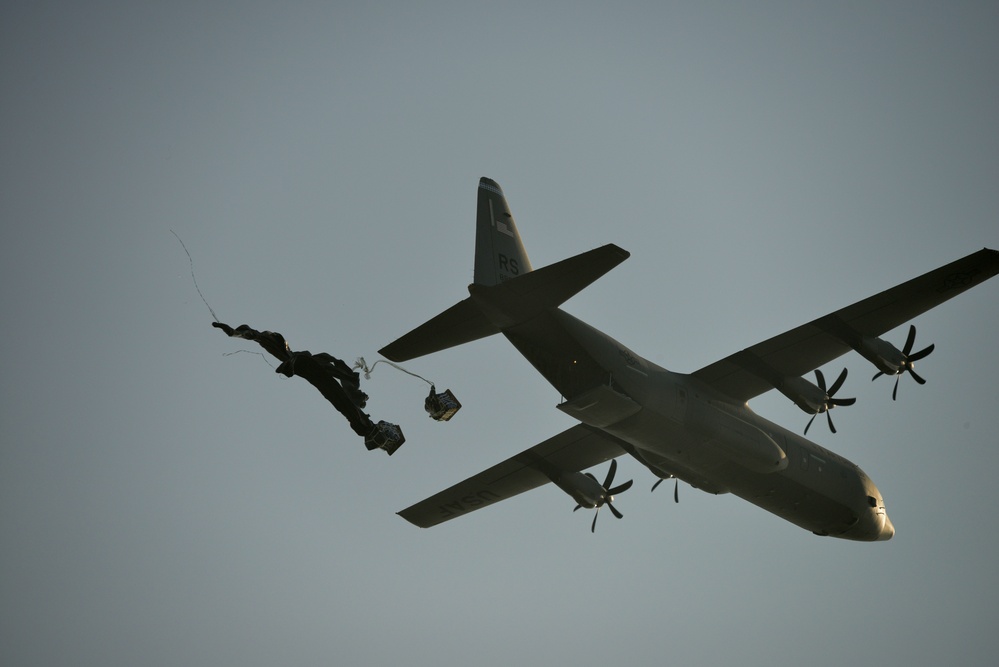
(162, 503)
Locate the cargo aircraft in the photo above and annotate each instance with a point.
(694, 427)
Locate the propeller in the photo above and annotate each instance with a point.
(676, 487)
(608, 494)
(908, 359)
(829, 402)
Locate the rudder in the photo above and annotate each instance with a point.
(499, 252)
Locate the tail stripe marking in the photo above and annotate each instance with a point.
(486, 186)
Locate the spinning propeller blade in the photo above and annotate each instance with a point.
(608, 494)
(830, 400)
(676, 487)
(908, 359)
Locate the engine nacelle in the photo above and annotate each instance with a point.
(585, 490)
(804, 394)
(886, 357)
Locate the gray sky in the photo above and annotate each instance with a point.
(162, 503)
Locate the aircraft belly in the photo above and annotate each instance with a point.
(736, 439)
(666, 447)
(802, 505)
(557, 356)
(711, 445)
(826, 501)
(831, 501)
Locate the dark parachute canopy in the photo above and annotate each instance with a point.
(337, 382)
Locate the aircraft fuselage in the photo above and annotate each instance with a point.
(678, 427)
(697, 427)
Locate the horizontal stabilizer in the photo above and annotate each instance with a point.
(572, 450)
(492, 308)
(461, 323)
(523, 297)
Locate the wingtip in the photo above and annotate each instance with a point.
(389, 354)
(402, 513)
(624, 253)
(612, 249)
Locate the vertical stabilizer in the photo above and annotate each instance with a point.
(499, 252)
(492, 307)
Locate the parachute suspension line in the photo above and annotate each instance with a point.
(210, 309)
(363, 365)
(440, 406)
(191, 260)
(259, 354)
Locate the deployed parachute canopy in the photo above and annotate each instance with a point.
(332, 377)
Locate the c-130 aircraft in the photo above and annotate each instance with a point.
(694, 427)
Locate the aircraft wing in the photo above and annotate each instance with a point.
(572, 450)
(756, 369)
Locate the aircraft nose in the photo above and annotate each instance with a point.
(887, 530)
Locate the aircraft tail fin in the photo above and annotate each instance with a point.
(499, 252)
(506, 291)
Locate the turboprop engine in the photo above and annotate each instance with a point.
(589, 493)
(889, 360)
(815, 399)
